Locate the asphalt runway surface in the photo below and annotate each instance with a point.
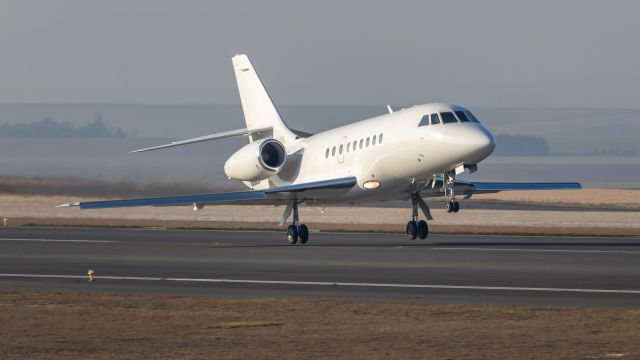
(565, 271)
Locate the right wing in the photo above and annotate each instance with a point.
(222, 135)
(275, 196)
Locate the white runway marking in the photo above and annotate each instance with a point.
(329, 283)
(595, 251)
(59, 240)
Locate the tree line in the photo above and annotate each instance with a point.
(48, 128)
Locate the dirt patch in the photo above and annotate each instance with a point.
(102, 326)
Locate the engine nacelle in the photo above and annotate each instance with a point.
(256, 161)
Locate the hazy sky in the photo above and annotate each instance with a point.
(476, 53)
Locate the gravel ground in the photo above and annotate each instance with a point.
(102, 326)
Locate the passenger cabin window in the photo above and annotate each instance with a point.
(368, 141)
(462, 116)
(435, 119)
(341, 146)
(448, 117)
(380, 139)
(424, 121)
(333, 151)
(472, 117)
(355, 144)
(326, 153)
(361, 143)
(374, 140)
(348, 146)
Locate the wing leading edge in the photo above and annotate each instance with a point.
(275, 195)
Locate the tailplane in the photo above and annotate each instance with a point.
(259, 110)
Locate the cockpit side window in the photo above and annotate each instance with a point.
(448, 117)
(424, 121)
(462, 116)
(472, 117)
(435, 119)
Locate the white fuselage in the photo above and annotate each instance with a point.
(402, 153)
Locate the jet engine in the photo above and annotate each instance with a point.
(256, 161)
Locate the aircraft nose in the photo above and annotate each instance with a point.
(474, 144)
(483, 142)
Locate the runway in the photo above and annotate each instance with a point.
(446, 269)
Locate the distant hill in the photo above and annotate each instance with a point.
(48, 128)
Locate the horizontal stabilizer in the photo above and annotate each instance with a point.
(276, 195)
(222, 135)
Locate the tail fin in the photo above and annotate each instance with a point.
(259, 110)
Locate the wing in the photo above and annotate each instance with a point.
(222, 135)
(468, 188)
(274, 196)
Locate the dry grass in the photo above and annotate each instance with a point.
(100, 326)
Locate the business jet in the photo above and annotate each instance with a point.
(407, 154)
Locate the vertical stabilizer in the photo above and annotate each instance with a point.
(259, 110)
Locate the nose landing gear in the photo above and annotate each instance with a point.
(416, 227)
(449, 190)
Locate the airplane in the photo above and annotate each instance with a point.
(407, 154)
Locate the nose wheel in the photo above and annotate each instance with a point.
(416, 228)
(297, 232)
(452, 206)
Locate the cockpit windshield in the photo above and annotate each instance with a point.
(462, 116)
(448, 117)
(471, 116)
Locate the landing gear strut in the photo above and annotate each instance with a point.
(416, 227)
(297, 232)
(449, 190)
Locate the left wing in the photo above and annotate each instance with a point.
(276, 195)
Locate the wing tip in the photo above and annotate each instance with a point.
(71, 204)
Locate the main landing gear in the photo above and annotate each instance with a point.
(297, 232)
(417, 227)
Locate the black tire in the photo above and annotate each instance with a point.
(456, 206)
(448, 207)
(303, 234)
(292, 234)
(423, 229)
(412, 230)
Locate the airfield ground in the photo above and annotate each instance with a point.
(101, 326)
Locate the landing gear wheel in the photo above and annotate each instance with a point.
(412, 230)
(456, 206)
(448, 207)
(303, 233)
(292, 234)
(423, 229)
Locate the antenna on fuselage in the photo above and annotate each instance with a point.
(389, 109)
